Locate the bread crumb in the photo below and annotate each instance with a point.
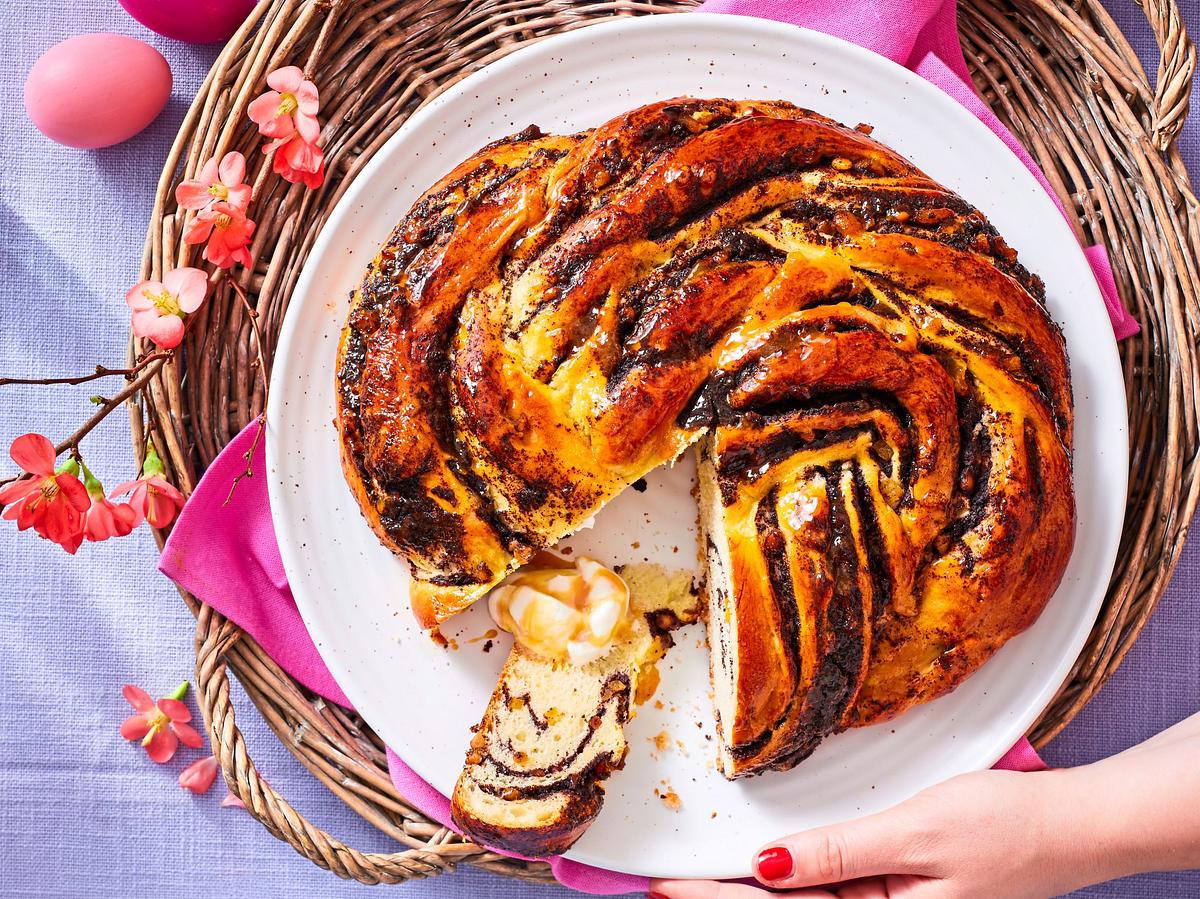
(669, 797)
(713, 815)
(662, 741)
(658, 704)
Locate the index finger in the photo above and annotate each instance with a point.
(867, 847)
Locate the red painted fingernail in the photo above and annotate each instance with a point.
(774, 863)
(653, 895)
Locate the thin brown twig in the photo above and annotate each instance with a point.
(108, 405)
(102, 371)
(248, 471)
(155, 425)
(260, 362)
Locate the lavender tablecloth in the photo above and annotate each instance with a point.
(81, 811)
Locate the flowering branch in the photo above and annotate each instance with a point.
(51, 498)
(106, 406)
(287, 114)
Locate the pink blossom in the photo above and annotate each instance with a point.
(154, 499)
(288, 115)
(227, 231)
(217, 182)
(159, 307)
(52, 501)
(104, 519)
(289, 109)
(162, 725)
(298, 161)
(199, 775)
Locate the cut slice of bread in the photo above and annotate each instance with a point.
(789, 605)
(553, 732)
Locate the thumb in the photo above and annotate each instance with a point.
(868, 847)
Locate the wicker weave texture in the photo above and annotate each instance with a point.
(1060, 75)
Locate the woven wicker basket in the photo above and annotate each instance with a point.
(1059, 74)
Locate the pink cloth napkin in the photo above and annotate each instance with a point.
(228, 556)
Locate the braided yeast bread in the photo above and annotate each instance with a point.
(881, 404)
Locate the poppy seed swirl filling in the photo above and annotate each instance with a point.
(880, 404)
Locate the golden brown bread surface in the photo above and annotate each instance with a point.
(881, 403)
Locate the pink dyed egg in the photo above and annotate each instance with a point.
(96, 90)
(194, 21)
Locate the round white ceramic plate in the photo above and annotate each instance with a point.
(353, 593)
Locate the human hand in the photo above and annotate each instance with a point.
(997, 833)
(990, 833)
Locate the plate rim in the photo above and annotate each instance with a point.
(733, 28)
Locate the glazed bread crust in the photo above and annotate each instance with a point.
(881, 403)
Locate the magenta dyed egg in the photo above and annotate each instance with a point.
(97, 90)
(194, 21)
